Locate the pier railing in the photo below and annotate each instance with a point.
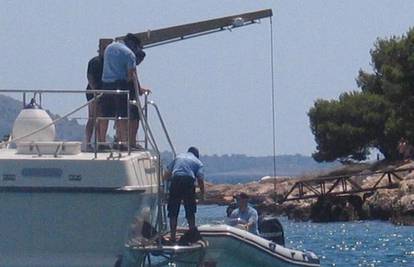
(344, 185)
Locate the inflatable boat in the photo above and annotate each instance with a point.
(230, 246)
(221, 246)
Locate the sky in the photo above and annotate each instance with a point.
(214, 91)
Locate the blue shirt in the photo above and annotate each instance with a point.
(248, 216)
(186, 164)
(118, 59)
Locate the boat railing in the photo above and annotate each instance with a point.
(161, 120)
(97, 94)
(149, 137)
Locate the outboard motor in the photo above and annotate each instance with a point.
(271, 229)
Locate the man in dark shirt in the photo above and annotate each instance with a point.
(94, 75)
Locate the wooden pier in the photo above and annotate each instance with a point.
(343, 185)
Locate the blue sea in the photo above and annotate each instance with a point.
(361, 243)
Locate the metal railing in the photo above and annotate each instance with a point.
(97, 95)
(164, 128)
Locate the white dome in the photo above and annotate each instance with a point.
(30, 120)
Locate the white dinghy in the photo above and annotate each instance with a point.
(220, 246)
(230, 246)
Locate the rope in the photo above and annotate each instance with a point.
(272, 67)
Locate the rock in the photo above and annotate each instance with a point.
(407, 165)
(336, 208)
(380, 204)
(385, 204)
(404, 211)
(407, 185)
(298, 211)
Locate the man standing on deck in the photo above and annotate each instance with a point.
(245, 215)
(183, 171)
(119, 73)
(94, 75)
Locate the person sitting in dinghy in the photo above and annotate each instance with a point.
(244, 217)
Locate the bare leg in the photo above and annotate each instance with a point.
(133, 131)
(90, 123)
(103, 127)
(122, 130)
(173, 227)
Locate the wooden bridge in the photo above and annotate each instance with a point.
(344, 185)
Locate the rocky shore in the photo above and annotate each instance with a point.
(395, 205)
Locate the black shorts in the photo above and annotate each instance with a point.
(114, 105)
(182, 189)
(89, 96)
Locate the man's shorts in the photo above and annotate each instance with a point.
(115, 105)
(182, 189)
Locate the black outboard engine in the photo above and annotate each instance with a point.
(271, 229)
(232, 206)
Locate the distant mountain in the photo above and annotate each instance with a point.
(241, 168)
(67, 130)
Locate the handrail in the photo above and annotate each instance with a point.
(163, 126)
(149, 135)
(163, 186)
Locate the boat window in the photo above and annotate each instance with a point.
(42, 172)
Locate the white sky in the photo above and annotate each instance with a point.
(213, 91)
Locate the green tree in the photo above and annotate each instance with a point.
(347, 128)
(375, 117)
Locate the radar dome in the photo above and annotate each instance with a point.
(30, 119)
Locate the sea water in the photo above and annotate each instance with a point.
(346, 244)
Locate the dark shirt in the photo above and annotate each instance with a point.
(95, 69)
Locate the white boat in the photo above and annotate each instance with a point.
(63, 207)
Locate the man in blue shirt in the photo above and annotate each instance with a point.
(245, 215)
(183, 172)
(119, 73)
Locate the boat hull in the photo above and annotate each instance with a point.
(229, 246)
(75, 228)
